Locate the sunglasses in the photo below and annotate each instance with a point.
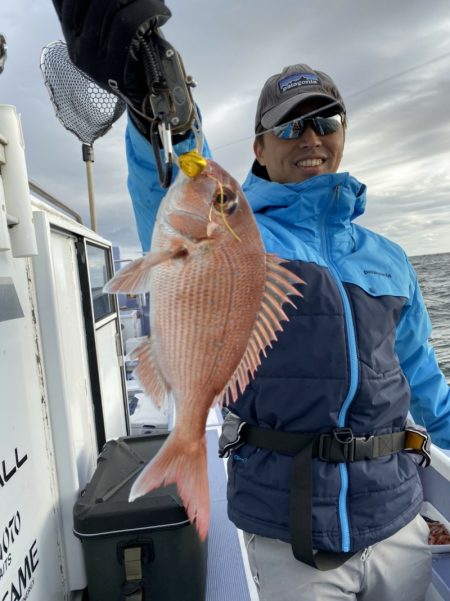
(295, 128)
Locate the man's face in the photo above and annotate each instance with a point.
(293, 161)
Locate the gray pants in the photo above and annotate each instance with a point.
(395, 569)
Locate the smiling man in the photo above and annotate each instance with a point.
(322, 478)
(323, 466)
(300, 121)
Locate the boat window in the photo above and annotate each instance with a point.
(99, 273)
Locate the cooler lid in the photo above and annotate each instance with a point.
(103, 506)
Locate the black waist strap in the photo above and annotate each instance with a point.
(340, 446)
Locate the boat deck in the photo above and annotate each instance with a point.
(228, 576)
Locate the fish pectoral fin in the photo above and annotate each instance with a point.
(149, 373)
(279, 286)
(135, 277)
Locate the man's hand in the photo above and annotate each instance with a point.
(103, 36)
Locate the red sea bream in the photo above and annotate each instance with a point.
(215, 305)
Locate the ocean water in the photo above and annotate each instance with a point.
(433, 272)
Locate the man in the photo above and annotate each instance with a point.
(319, 478)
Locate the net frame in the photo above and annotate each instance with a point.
(82, 106)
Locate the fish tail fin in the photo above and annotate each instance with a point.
(185, 464)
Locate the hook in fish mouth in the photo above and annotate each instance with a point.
(192, 163)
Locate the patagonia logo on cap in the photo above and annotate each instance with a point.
(298, 80)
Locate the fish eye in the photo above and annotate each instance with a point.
(225, 200)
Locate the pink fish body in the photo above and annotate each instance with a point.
(215, 304)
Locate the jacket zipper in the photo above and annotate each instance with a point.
(353, 355)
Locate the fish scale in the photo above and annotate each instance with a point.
(215, 304)
(189, 334)
(208, 297)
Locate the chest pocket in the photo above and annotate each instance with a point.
(376, 319)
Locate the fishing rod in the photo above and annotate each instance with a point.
(169, 97)
(168, 106)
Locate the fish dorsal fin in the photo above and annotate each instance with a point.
(279, 286)
(149, 373)
(135, 277)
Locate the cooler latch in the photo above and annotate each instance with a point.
(133, 587)
(132, 557)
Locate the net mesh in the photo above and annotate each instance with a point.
(83, 107)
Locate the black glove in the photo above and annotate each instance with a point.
(103, 40)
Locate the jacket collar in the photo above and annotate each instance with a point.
(308, 202)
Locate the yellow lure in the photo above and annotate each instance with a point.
(192, 163)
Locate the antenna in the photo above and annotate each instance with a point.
(3, 52)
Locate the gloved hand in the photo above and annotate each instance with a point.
(103, 41)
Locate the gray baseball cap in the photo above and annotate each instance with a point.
(284, 91)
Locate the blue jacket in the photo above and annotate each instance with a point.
(355, 353)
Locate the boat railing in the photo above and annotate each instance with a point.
(36, 189)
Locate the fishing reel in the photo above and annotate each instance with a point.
(3, 52)
(169, 105)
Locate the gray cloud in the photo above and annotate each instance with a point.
(381, 54)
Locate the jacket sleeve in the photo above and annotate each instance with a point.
(143, 180)
(430, 393)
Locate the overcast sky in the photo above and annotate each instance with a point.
(389, 58)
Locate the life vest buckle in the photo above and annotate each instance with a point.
(343, 435)
(418, 442)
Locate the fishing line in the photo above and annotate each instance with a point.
(261, 133)
(351, 95)
(222, 210)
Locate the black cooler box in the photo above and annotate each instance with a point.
(141, 551)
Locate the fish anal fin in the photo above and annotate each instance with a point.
(149, 373)
(280, 284)
(135, 277)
